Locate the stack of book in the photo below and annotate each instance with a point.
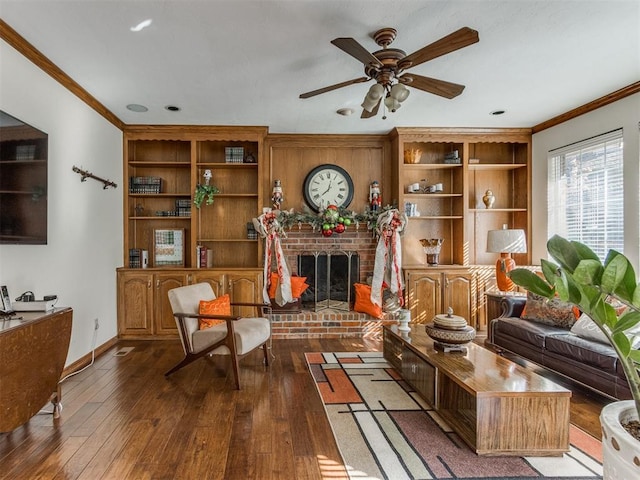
(234, 154)
(135, 258)
(204, 256)
(145, 185)
(183, 207)
(452, 157)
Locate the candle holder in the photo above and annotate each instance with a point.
(431, 247)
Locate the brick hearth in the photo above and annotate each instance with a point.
(328, 323)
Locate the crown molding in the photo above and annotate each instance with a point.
(18, 42)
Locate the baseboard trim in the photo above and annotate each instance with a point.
(86, 359)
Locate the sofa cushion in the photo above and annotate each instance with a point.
(586, 352)
(586, 328)
(550, 311)
(530, 332)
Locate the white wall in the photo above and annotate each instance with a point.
(84, 220)
(623, 114)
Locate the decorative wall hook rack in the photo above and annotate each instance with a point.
(84, 174)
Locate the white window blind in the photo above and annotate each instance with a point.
(585, 193)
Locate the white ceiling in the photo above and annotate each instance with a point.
(241, 62)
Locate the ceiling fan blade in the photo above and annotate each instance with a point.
(357, 51)
(373, 112)
(333, 87)
(432, 85)
(452, 42)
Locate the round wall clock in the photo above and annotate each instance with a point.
(327, 185)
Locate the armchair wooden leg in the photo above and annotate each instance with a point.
(236, 370)
(266, 354)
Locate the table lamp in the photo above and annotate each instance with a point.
(505, 242)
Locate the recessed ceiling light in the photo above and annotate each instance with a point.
(134, 107)
(497, 112)
(141, 26)
(345, 111)
(172, 108)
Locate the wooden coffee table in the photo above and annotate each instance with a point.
(495, 405)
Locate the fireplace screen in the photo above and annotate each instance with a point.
(330, 276)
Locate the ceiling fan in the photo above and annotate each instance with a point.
(387, 67)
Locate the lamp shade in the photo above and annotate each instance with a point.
(506, 241)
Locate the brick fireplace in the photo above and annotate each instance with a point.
(328, 322)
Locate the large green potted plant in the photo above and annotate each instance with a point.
(581, 278)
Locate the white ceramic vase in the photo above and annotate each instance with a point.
(404, 318)
(621, 451)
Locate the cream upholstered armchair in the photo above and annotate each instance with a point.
(236, 336)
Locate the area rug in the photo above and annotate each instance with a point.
(384, 430)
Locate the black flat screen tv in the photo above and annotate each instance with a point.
(23, 182)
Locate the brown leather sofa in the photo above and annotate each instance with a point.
(588, 362)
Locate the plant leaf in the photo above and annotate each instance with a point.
(584, 252)
(550, 271)
(588, 272)
(626, 321)
(614, 273)
(622, 342)
(532, 282)
(563, 252)
(635, 356)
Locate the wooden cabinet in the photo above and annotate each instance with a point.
(143, 303)
(454, 169)
(431, 291)
(165, 164)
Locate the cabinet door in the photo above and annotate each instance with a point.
(420, 374)
(458, 294)
(392, 349)
(135, 303)
(245, 286)
(215, 279)
(424, 295)
(164, 323)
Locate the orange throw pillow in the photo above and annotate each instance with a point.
(363, 301)
(219, 306)
(298, 285)
(273, 285)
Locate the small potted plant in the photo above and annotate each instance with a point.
(582, 279)
(205, 191)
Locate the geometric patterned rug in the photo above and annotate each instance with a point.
(385, 430)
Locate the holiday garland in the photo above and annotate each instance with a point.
(331, 220)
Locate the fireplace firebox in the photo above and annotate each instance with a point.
(330, 276)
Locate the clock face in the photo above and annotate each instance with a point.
(328, 185)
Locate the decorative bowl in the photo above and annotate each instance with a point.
(451, 337)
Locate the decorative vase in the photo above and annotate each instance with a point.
(488, 199)
(431, 247)
(404, 318)
(620, 450)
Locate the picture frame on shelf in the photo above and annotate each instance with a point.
(169, 247)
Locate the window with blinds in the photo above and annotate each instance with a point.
(585, 195)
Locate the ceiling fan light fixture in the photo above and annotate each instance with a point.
(373, 97)
(399, 92)
(391, 103)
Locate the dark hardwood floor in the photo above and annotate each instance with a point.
(122, 419)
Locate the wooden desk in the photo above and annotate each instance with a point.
(33, 351)
(495, 405)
